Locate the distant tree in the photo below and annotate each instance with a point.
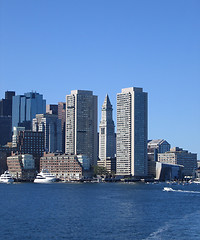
(97, 170)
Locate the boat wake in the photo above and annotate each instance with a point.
(168, 189)
(172, 230)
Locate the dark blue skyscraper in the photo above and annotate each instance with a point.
(25, 107)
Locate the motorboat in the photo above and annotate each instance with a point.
(6, 177)
(168, 189)
(45, 177)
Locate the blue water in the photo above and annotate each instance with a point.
(98, 211)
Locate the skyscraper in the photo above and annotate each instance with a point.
(6, 118)
(107, 141)
(62, 117)
(51, 126)
(81, 124)
(6, 104)
(25, 107)
(132, 132)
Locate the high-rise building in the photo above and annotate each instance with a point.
(107, 142)
(52, 109)
(51, 126)
(62, 117)
(6, 104)
(81, 124)
(132, 132)
(6, 118)
(25, 107)
(5, 129)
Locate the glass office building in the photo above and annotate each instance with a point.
(25, 107)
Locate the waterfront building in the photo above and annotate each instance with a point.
(51, 126)
(156, 146)
(52, 109)
(132, 132)
(65, 167)
(168, 172)
(29, 142)
(109, 164)
(25, 107)
(5, 129)
(81, 124)
(6, 104)
(179, 156)
(62, 117)
(107, 139)
(22, 167)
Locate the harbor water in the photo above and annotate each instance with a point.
(117, 211)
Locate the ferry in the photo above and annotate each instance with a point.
(6, 177)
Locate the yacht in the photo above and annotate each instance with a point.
(6, 178)
(44, 177)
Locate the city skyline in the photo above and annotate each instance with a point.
(104, 47)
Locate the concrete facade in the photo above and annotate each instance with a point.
(132, 132)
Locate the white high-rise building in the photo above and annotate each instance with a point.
(107, 141)
(81, 124)
(132, 132)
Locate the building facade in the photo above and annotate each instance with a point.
(109, 164)
(179, 156)
(62, 117)
(132, 132)
(81, 124)
(107, 139)
(65, 167)
(5, 129)
(52, 109)
(157, 146)
(29, 142)
(51, 126)
(22, 167)
(25, 107)
(6, 104)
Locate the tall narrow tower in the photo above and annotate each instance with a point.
(81, 124)
(107, 143)
(132, 132)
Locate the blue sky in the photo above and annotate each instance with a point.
(53, 47)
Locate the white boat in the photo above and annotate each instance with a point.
(6, 177)
(44, 177)
(168, 189)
